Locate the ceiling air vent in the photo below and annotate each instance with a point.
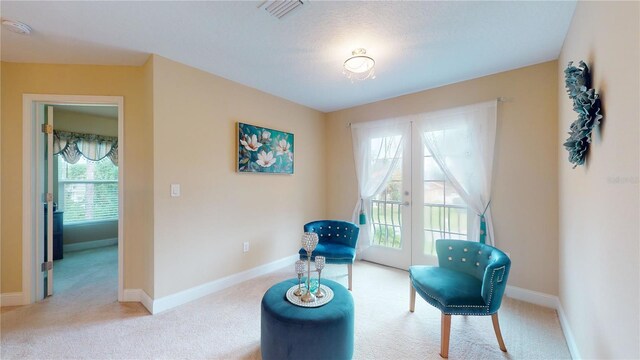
(280, 8)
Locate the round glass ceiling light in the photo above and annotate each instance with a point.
(16, 27)
(359, 66)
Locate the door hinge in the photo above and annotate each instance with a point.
(47, 128)
(47, 265)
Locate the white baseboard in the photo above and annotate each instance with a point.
(568, 334)
(534, 297)
(550, 301)
(182, 297)
(89, 244)
(138, 295)
(11, 299)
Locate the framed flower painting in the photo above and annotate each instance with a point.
(264, 150)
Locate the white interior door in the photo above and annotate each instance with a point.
(49, 201)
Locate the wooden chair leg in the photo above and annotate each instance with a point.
(350, 266)
(412, 297)
(496, 328)
(445, 330)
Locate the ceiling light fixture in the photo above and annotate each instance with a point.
(359, 66)
(16, 27)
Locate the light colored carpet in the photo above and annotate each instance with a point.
(84, 320)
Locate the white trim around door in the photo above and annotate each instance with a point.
(30, 198)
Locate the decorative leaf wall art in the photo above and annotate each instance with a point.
(586, 102)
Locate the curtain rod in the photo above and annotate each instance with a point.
(498, 99)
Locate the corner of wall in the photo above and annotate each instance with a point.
(149, 71)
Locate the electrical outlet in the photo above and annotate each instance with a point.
(245, 246)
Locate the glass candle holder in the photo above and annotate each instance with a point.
(309, 243)
(299, 271)
(320, 261)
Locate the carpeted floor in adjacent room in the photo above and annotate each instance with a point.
(84, 320)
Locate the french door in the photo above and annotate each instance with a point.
(417, 207)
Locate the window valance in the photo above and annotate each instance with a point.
(71, 146)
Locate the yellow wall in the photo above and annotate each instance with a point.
(19, 79)
(199, 236)
(599, 202)
(525, 198)
(179, 128)
(84, 123)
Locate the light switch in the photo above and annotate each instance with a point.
(175, 190)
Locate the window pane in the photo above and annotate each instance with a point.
(386, 208)
(452, 197)
(87, 170)
(90, 202)
(88, 190)
(434, 192)
(445, 213)
(432, 170)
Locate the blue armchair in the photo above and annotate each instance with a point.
(470, 280)
(337, 242)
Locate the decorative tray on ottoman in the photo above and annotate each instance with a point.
(295, 300)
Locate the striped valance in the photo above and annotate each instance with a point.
(71, 146)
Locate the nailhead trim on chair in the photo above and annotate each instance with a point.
(456, 306)
(501, 275)
(491, 289)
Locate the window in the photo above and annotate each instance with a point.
(88, 190)
(386, 207)
(445, 213)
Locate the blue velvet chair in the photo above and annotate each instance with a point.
(470, 280)
(337, 242)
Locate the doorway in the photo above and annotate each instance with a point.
(85, 200)
(39, 183)
(417, 206)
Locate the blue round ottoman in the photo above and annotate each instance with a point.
(293, 332)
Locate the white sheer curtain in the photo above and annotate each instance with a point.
(462, 142)
(377, 149)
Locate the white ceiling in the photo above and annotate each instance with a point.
(417, 45)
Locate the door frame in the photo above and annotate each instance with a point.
(32, 174)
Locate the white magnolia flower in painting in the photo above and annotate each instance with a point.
(250, 143)
(282, 147)
(266, 159)
(266, 135)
